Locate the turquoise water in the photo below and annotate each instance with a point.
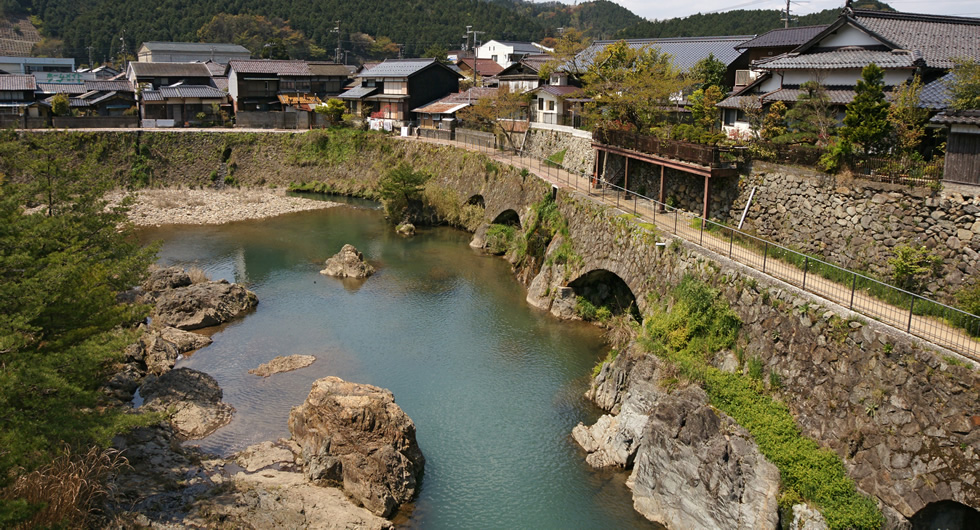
(494, 387)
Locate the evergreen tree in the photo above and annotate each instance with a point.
(964, 88)
(704, 108)
(812, 119)
(774, 121)
(709, 72)
(866, 124)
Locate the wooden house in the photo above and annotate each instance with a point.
(390, 90)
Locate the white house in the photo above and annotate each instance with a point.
(506, 53)
(185, 52)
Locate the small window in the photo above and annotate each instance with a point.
(540, 104)
(551, 105)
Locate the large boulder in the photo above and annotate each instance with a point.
(194, 398)
(348, 263)
(282, 364)
(166, 278)
(355, 436)
(202, 305)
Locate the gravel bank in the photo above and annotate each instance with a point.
(209, 207)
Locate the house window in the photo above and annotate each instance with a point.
(540, 104)
(396, 87)
(729, 116)
(551, 106)
(493, 58)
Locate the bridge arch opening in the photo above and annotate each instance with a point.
(949, 515)
(477, 200)
(605, 289)
(507, 217)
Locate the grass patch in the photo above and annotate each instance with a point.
(500, 238)
(556, 159)
(687, 333)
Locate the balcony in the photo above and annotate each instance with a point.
(709, 156)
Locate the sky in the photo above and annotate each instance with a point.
(651, 9)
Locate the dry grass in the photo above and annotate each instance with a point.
(68, 489)
(197, 275)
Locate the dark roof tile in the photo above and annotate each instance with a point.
(783, 37)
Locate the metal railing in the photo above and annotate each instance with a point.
(912, 313)
(705, 155)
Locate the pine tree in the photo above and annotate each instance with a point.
(908, 119)
(866, 122)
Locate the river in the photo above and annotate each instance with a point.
(494, 387)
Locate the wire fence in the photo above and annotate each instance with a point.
(913, 313)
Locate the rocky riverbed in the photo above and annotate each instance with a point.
(207, 206)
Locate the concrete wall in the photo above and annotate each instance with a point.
(95, 122)
(272, 120)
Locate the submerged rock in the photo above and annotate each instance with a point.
(202, 305)
(355, 436)
(405, 229)
(283, 364)
(348, 263)
(193, 396)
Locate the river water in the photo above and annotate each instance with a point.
(494, 387)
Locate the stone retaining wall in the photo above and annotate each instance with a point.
(902, 417)
(857, 223)
(579, 157)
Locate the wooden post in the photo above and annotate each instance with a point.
(707, 196)
(626, 179)
(595, 166)
(660, 198)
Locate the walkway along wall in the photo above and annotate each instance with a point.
(902, 417)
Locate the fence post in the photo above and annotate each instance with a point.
(701, 242)
(765, 254)
(911, 308)
(634, 204)
(806, 265)
(675, 221)
(854, 281)
(731, 243)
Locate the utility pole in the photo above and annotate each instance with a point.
(340, 48)
(122, 48)
(401, 47)
(90, 59)
(786, 19)
(466, 45)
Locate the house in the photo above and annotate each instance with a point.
(257, 84)
(17, 99)
(556, 105)
(156, 75)
(170, 106)
(186, 52)
(441, 114)
(391, 89)
(962, 164)
(902, 44)
(772, 43)
(524, 75)
(90, 97)
(30, 65)
(478, 69)
(506, 53)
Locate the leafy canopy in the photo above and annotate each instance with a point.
(631, 88)
(907, 118)
(964, 88)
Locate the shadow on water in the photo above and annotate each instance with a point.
(493, 386)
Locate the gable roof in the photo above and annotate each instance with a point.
(109, 86)
(961, 117)
(169, 69)
(201, 47)
(17, 82)
(685, 51)
(940, 39)
(270, 66)
(484, 67)
(783, 37)
(329, 69)
(403, 68)
(182, 92)
(519, 47)
(843, 58)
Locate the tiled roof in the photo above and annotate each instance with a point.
(962, 117)
(202, 47)
(221, 83)
(935, 94)
(170, 69)
(17, 82)
(560, 91)
(740, 102)
(329, 69)
(216, 69)
(685, 51)
(441, 107)
(484, 67)
(358, 92)
(939, 38)
(783, 37)
(54, 88)
(151, 95)
(191, 91)
(109, 86)
(520, 47)
(838, 59)
(398, 68)
(837, 97)
(270, 66)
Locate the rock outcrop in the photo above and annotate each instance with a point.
(355, 436)
(283, 364)
(202, 305)
(193, 396)
(693, 466)
(405, 229)
(165, 278)
(348, 263)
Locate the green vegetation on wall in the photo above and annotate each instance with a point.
(687, 330)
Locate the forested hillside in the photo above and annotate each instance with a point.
(735, 22)
(106, 25)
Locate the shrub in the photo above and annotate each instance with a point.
(914, 267)
(500, 238)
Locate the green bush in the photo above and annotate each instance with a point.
(687, 331)
(914, 267)
(585, 309)
(500, 238)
